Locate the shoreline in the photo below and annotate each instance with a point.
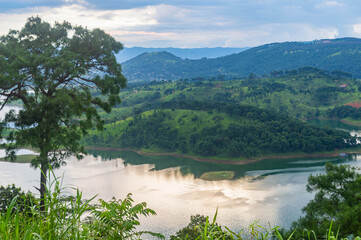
(349, 123)
(336, 153)
(225, 161)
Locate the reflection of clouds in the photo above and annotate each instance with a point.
(90, 167)
(277, 199)
(241, 202)
(210, 198)
(146, 190)
(239, 194)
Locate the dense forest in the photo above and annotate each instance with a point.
(218, 129)
(331, 54)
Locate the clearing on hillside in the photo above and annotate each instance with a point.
(356, 104)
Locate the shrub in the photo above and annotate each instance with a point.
(23, 200)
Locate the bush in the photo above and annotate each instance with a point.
(71, 217)
(22, 200)
(337, 199)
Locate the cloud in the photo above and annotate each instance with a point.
(82, 2)
(108, 20)
(334, 4)
(203, 23)
(329, 4)
(227, 37)
(357, 28)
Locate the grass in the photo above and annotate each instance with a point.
(210, 230)
(73, 217)
(351, 121)
(6, 131)
(218, 175)
(26, 158)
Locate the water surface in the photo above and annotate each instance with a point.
(272, 191)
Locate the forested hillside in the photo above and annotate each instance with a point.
(331, 54)
(231, 118)
(218, 129)
(301, 93)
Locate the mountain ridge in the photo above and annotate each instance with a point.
(342, 54)
(190, 53)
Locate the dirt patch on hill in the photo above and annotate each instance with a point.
(356, 104)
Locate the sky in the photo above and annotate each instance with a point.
(195, 23)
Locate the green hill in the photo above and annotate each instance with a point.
(218, 129)
(301, 93)
(230, 119)
(342, 54)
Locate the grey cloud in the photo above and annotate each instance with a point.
(209, 23)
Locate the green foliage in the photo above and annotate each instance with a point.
(73, 217)
(203, 122)
(64, 218)
(190, 231)
(151, 130)
(300, 93)
(26, 158)
(345, 112)
(200, 228)
(22, 201)
(118, 219)
(337, 199)
(218, 129)
(51, 70)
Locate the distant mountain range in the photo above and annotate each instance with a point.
(190, 53)
(342, 54)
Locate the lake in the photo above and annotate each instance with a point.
(272, 191)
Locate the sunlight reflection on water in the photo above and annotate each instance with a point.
(272, 191)
(275, 198)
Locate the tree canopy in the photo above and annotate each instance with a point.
(218, 129)
(54, 70)
(337, 199)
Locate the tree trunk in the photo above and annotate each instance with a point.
(43, 178)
